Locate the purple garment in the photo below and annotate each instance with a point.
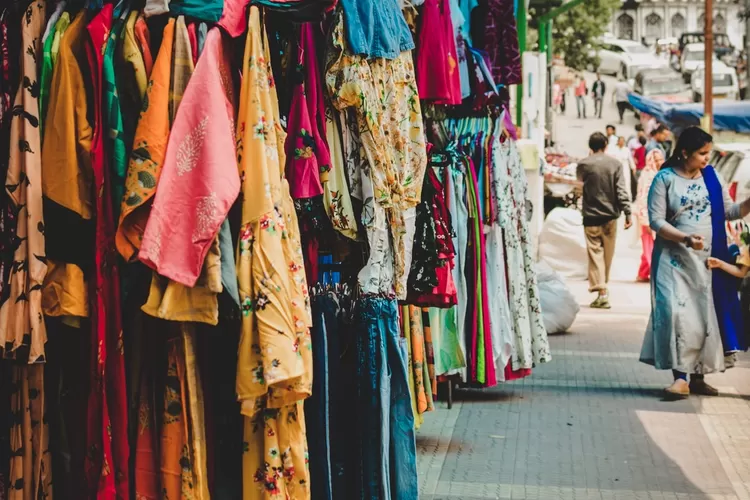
(500, 41)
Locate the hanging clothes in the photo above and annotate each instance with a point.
(275, 360)
(148, 152)
(392, 135)
(107, 463)
(437, 68)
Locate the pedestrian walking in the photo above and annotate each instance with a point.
(581, 91)
(659, 140)
(695, 312)
(556, 96)
(604, 199)
(598, 90)
(563, 96)
(654, 161)
(619, 151)
(622, 89)
(611, 132)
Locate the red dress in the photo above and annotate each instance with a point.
(437, 75)
(107, 454)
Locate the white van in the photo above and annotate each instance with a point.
(725, 82)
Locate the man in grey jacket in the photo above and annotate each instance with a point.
(605, 197)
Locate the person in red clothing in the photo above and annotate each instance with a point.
(639, 155)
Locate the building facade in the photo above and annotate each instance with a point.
(654, 19)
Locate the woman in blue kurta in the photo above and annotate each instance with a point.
(695, 317)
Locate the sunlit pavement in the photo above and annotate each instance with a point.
(592, 423)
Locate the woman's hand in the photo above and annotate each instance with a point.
(695, 242)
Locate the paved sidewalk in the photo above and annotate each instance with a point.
(591, 424)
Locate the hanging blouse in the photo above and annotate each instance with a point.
(147, 157)
(336, 198)
(437, 61)
(384, 95)
(21, 322)
(68, 183)
(198, 176)
(275, 359)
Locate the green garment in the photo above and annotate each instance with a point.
(205, 10)
(49, 56)
(115, 138)
(445, 342)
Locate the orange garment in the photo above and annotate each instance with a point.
(67, 178)
(149, 150)
(144, 43)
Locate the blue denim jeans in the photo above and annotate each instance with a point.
(387, 445)
(317, 408)
(376, 28)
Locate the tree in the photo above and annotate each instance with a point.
(576, 33)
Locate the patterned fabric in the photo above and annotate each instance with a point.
(336, 198)
(108, 453)
(654, 161)
(386, 101)
(418, 358)
(199, 174)
(683, 332)
(149, 150)
(275, 358)
(21, 322)
(531, 345)
(183, 459)
(306, 150)
(501, 42)
(30, 475)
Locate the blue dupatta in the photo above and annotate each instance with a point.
(726, 300)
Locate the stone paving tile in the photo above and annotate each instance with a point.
(592, 425)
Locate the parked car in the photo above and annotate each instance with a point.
(626, 58)
(692, 56)
(665, 85)
(725, 83)
(722, 45)
(732, 161)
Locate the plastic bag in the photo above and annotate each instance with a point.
(562, 243)
(559, 306)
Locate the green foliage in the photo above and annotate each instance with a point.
(576, 32)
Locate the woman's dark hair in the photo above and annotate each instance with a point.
(642, 140)
(598, 142)
(691, 140)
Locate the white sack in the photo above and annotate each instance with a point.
(562, 243)
(559, 306)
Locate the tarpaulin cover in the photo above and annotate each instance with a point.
(728, 115)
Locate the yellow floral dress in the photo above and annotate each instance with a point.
(275, 354)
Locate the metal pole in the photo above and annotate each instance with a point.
(522, 24)
(747, 49)
(708, 73)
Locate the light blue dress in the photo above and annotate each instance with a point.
(683, 331)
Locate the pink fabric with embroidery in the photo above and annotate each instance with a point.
(200, 180)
